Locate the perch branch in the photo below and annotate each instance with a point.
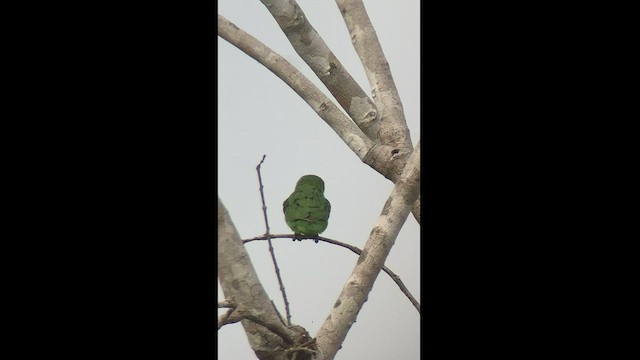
(353, 249)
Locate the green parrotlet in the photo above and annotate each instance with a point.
(306, 211)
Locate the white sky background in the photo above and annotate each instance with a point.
(259, 114)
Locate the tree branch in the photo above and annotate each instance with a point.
(315, 52)
(355, 292)
(394, 130)
(355, 139)
(230, 317)
(385, 159)
(353, 249)
(393, 127)
(226, 304)
(239, 281)
(235, 314)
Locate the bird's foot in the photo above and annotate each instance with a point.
(297, 236)
(316, 239)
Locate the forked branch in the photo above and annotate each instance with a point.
(353, 249)
(355, 139)
(357, 288)
(394, 130)
(315, 52)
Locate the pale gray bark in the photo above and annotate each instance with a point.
(268, 336)
(315, 52)
(385, 159)
(393, 127)
(394, 130)
(357, 288)
(355, 139)
(380, 139)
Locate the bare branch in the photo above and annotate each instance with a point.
(393, 276)
(393, 127)
(275, 327)
(236, 314)
(355, 139)
(230, 317)
(353, 249)
(416, 209)
(271, 250)
(385, 159)
(239, 282)
(261, 188)
(355, 292)
(226, 304)
(303, 348)
(315, 52)
(394, 130)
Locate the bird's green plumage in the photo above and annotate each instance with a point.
(306, 210)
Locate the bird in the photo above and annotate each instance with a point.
(306, 210)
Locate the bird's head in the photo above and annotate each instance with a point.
(311, 180)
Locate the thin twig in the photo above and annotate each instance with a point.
(354, 249)
(227, 318)
(268, 236)
(274, 328)
(237, 314)
(226, 304)
(307, 346)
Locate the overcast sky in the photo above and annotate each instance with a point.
(258, 114)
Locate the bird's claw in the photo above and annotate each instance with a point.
(299, 237)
